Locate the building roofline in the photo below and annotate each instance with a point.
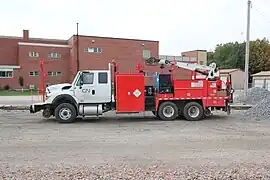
(10, 37)
(229, 70)
(43, 44)
(63, 40)
(104, 37)
(262, 73)
(42, 39)
(201, 50)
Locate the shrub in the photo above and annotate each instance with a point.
(6, 87)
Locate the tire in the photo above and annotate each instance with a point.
(196, 115)
(172, 111)
(61, 116)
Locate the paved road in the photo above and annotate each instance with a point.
(29, 140)
(19, 100)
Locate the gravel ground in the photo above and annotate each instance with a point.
(132, 147)
(259, 112)
(254, 96)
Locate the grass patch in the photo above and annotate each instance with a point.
(17, 93)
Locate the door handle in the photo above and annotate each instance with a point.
(93, 92)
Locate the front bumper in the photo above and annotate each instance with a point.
(36, 107)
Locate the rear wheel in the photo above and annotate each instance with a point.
(168, 111)
(193, 111)
(65, 113)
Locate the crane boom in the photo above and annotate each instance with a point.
(210, 71)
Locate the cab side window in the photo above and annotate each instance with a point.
(103, 78)
(88, 78)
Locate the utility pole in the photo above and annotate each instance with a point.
(247, 48)
(78, 62)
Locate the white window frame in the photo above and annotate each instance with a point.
(6, 77)
(54, 55)
(146, 54)
(33, 54)
(34, 73)
(51, 73)
(93, 50)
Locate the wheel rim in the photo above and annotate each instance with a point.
(168, 111)
(65, 113)
(193, 111)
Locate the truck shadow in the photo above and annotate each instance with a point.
(131, 119)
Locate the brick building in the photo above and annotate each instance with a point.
(196, 56)
(20, 56)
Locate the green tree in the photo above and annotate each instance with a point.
(232, 55)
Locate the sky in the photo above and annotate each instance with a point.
(178, 25)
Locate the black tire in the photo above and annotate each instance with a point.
(171, 107)
(198, 108)
(67, 107)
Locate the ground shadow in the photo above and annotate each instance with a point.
(130, 119)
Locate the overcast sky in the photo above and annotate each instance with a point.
(179, 25)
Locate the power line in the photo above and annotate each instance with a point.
(265, 18)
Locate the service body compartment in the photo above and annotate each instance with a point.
(129, 93)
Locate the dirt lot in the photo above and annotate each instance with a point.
(218, 142)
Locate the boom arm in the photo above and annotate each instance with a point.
(210, 71)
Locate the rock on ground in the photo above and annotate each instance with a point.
(261, 111)
(158, 172)
(254, 96)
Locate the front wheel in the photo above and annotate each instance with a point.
(168, 111)
(65, 113)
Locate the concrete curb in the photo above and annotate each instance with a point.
(14, 107)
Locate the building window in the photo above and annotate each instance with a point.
(54, 55)
(33, 54)
(146, 54)
(6, 74)
(54, 73)
(146, 74)
(34, 73)
(93, 50)
(102, 78)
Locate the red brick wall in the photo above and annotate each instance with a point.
(33, 64)
(9, 51)
(127, 53)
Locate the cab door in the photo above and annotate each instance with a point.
(93, 87)
(85, 90)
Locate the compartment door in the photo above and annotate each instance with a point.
(130, 93)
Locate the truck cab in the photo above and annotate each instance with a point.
(92, 87)
(90, 93)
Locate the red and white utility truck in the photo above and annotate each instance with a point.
(94, 92)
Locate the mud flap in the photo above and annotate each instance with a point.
(228, 109)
